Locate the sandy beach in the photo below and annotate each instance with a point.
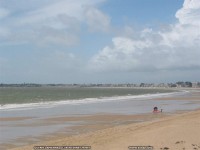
(177, 131)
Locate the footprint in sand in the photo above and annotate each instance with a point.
(164, 148)
(180, 142)
(195, 146)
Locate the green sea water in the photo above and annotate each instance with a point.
(19, 95)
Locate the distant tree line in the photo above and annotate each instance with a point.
(184, 84)
(177, 84)
(21, 85)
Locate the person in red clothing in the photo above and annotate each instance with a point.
(155, 110)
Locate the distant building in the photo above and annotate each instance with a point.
(196, 84)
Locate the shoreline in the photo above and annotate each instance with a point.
(10, 107)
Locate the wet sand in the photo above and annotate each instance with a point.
(117, 132)
(89, 124)
(175, 132)
(15, 118)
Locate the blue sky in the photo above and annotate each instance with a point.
(99, 41)
(142, 12)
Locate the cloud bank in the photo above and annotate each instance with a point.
(175, 48)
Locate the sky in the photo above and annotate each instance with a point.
(99, 41)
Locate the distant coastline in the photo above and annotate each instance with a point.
(179, 84)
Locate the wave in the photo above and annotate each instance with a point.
(50, 104)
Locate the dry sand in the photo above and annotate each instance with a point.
(176, 132)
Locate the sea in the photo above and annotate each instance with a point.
(32, 97)
(61, 100)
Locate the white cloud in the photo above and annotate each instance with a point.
(48, 21)
(97, 20)
(189, 13)
(66, 7)
(175, 48)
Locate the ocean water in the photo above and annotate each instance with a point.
(34, 96)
